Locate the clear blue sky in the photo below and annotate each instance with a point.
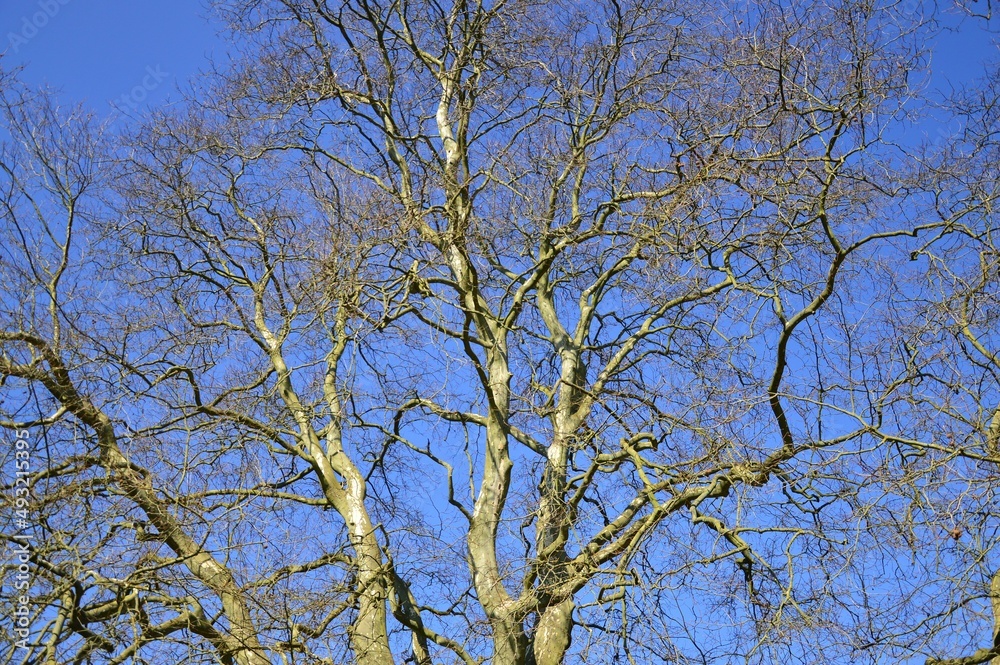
(98, 50)
(961, 54)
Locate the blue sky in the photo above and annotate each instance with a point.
(960, 54)
(98, 51)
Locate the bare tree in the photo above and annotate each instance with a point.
(513, 332)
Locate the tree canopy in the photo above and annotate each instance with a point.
(510, 332)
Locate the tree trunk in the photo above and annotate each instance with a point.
(553, 634)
